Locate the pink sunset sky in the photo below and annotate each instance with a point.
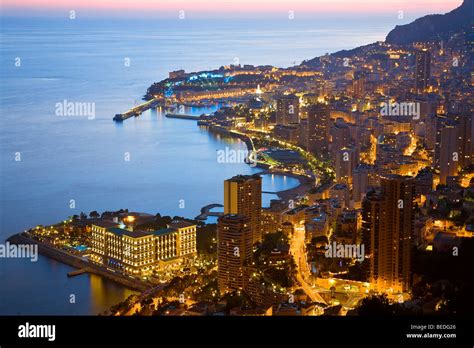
(233, 7)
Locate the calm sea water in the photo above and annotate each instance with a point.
(81, 159)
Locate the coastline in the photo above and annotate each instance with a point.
(77, 262)
(305, 183)
(84, 265)
(88, 267)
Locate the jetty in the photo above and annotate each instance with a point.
(137, 110)
(78, 272)
(182, 116)
(206, 211)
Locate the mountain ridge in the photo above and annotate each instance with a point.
(434, 27)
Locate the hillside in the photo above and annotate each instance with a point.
(434, 27)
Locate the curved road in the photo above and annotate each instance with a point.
(298, 250)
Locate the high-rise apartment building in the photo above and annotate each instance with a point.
(422, 70)
(243, 195)
(318, 129)
(234, 251)
(387, 231)
(287, 110)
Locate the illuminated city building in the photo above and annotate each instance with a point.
(341, 136)
(138, 252)
(214, 94)
(447, 150)
(317, 226)
(364, 177)
(387, 224)
(286, 133)
(287, 110)
(466, 139)
(359, 84)
(341, 193)
(318, 129)
(422, 70)
(345, 162)
(303, 133)
(243, 195)
(272, 216)
(234, 251)
(346, 227)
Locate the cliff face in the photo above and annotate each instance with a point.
(434, 27)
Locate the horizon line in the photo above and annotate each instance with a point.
(232, 8)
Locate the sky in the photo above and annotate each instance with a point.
(170, 8)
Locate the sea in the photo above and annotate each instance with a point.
(53, 165)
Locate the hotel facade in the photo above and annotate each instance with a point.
(139, 253)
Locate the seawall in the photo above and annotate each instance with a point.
(78, 262)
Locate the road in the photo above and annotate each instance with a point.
(303, 275)
(298, 250)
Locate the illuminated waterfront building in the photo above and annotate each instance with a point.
(213, 94)
(138, 252)
(243, 195)
(186, 237)
(234, 251)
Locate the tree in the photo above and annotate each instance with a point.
(375, 305)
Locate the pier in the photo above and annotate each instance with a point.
(137, 110)
(78, 272)
(183, 116)
(206, 211)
